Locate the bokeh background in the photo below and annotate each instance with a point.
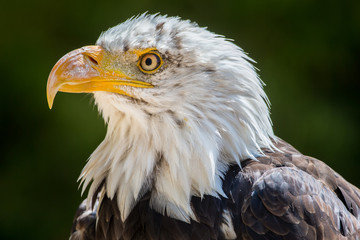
(308, 53)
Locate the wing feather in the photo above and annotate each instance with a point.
(297, 197)
(281, 195)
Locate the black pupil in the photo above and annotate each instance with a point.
(148, 61)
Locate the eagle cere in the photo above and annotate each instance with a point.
(189, 151)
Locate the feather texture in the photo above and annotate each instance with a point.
(282, 195)
(174, 131)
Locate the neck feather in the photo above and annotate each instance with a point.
(173, 154)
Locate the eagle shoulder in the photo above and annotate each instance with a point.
(294, 197)
(281, 195)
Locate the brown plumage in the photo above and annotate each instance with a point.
(283, 195)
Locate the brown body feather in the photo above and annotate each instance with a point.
(283, 195)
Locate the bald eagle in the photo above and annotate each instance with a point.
(189, 151)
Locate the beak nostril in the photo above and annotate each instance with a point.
(91, 60)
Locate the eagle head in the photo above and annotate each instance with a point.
(181, 104)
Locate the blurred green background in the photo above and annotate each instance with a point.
(308, 53)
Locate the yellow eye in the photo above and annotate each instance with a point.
(150, 62)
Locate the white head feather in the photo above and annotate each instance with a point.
(207, 110)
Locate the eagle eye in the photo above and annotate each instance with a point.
(150, 62)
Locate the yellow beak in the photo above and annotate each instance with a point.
(82, 71)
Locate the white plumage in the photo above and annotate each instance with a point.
(196, 59)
